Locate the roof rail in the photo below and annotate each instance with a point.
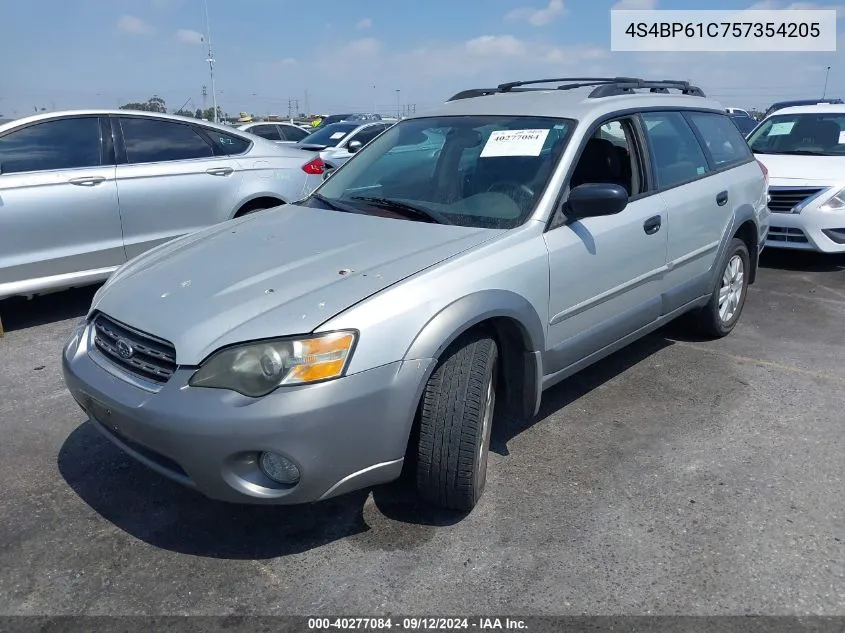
(605, 86)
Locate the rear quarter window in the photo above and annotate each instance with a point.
(724, 142)
(226, 144)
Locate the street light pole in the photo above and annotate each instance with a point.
(826, 75)
(210, 61)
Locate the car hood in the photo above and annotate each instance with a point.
(787, 170)
(279, 272)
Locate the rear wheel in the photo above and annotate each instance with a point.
(721, 314)
(456, 418)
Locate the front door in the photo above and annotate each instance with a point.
(606, 272)
(59, 220)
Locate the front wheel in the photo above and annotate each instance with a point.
(456, 417)
(721, 314)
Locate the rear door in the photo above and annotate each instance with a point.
(59, 216)
(171, 180)
(697, 196)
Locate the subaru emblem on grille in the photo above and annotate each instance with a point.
(124, 349)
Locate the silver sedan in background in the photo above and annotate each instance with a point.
(82, 192)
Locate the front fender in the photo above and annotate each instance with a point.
(459, 316)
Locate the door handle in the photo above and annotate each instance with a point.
(722, 198)
(87, 181)
(219, 171)
(652, 225)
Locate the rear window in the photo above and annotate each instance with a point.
(724, 141)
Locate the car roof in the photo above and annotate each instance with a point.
(818, 108)
(575, 103)
(57, 114)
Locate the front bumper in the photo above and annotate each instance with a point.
(806, 230)
(343, 434)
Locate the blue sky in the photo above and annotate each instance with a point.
(354, 55)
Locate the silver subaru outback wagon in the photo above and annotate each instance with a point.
(462, 262)
(81, 192)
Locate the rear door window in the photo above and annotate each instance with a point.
(292, 133)
(676, 154)
(72, 143)
(270, 132)
(156, 141)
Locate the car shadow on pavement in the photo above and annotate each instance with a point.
(19, 313)
(575, 387)
(166, 515)
(801, 261)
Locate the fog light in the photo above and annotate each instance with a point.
(278, 468)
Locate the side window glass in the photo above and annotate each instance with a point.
(724, 141)
(270, 132)
(59, 144)
(609, 156)
(678, 157)
(155, 141)
(227, 144)
(368, 134)
(292, 133)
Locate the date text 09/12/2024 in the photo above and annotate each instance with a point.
(417, 624)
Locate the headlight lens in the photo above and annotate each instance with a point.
(835, 203)
(256, 369)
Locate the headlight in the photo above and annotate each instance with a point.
(256, 369)
(835, 203)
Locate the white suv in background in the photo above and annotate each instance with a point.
(803, 148)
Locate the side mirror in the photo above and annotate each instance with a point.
(354, 146)
(595, 199)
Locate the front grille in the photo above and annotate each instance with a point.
(783, 199)
(137, 352)
(784, 234)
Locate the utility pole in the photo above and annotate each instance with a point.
(210, 61)
(398, 104)
(307, 111)
(204, 98)
(826, 75)
(290, 108)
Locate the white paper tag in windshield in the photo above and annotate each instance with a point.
(337, 135)
(515, 143)
(842, 137)
(780, 129)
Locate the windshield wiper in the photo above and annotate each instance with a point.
(803, 152)
(331, 204)
(403, 207)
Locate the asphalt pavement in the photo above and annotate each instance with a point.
(677, 476)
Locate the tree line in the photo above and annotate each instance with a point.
(157, 104)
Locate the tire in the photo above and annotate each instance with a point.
(455, 420)
(718, 318)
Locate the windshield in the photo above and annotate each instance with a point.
(480, 171)
(330, 135)
(819, 134)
